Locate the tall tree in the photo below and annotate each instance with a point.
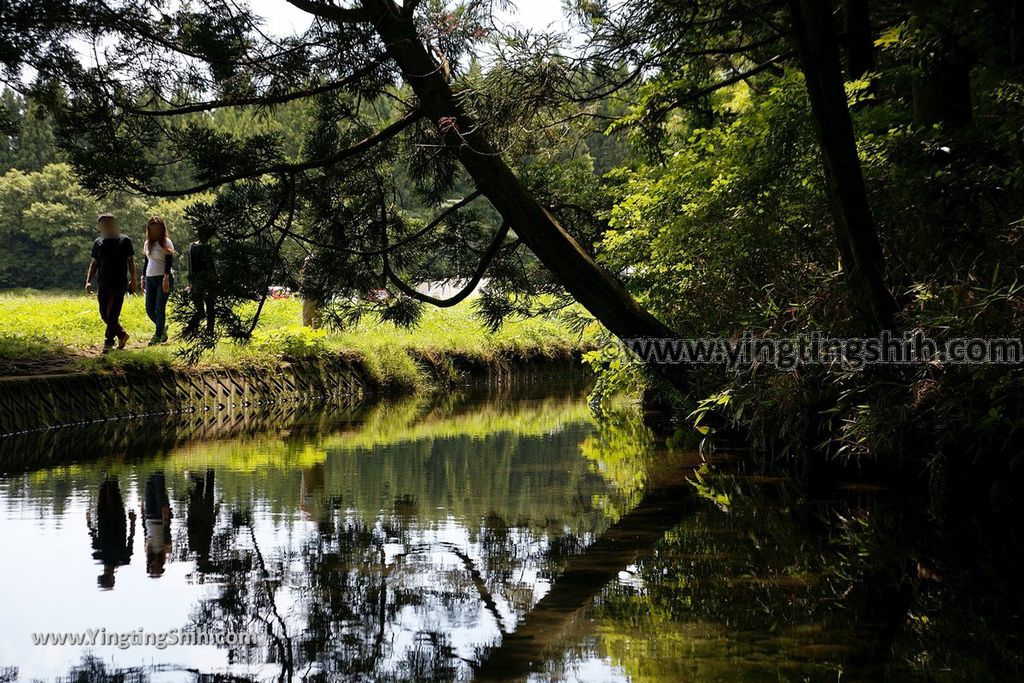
(37, 144)
(858, 38)
(27, 140)
(945, 56)
(10, 122)
(698, 50)
(856, 237)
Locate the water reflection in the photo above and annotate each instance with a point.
(395, 542)
(112, 531)
(202, 518)
(511, 538)
(156, 510)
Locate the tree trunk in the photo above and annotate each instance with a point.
(942, 92)
(588, 282)
(1016, 21)
(859, 249)
(942, 87)
(859, 39)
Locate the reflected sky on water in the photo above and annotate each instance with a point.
(497, 537)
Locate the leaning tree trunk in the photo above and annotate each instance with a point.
(859, 249)
(588, 282)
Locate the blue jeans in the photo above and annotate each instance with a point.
(156, 302)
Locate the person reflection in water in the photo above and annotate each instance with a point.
(157, 513)
(202, 516)
(112, 536)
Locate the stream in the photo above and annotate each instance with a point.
(501, 535)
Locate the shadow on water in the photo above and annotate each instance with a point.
(508, 536)
(583, 578)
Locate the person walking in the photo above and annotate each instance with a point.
(158, 278)
(310, 308)
(113, 266)
(202, 278)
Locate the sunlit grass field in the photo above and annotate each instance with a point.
(52, 331)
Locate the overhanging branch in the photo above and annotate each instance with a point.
(390, 247)
(358, 148)
(485, 262)
(331, 12)
(264, 100)
(440, 218)
(714, 87)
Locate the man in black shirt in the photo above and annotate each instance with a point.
(113, 264)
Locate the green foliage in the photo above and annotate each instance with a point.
(706, 489)
(48, 224)
(721, 224)
(617, 371)
(289, 342)
(732, 222)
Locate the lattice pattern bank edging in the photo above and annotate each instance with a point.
(41, 402)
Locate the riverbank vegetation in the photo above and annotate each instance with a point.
(676, 170)
(45, 332)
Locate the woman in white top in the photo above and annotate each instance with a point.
(157, 278)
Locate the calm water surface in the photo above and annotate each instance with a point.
(496, 537)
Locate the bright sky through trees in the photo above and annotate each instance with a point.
(538, 15)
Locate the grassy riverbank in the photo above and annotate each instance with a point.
(46, 332)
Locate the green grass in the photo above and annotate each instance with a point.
(46, 331)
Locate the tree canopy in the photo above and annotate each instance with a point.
(354, 190)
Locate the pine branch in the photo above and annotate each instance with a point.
(265, 100)
(485, 262)
(714, 87)
(363, 145)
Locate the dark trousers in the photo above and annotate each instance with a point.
(155, 498)
(203, 302)
(156, 302)
(111, 300)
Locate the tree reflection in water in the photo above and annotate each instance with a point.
(511, 539)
